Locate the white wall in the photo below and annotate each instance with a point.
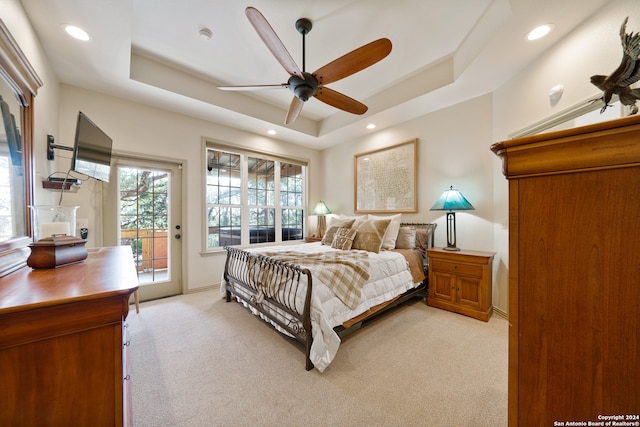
(453, 150)
(46, 101)
(592, 48)
(144, 130)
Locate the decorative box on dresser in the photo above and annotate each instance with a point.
(460, 281)
(63, 342)
(574, 274)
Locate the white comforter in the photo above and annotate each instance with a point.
(389, 276)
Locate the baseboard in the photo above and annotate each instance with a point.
(500, 313)
(201, 289)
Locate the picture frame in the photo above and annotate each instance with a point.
(385, 180)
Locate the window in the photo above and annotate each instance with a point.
(252, 198)
(6, 217)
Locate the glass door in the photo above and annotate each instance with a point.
(147, 210)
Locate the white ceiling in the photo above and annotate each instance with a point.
(444, 52)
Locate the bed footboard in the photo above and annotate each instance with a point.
(271, 288)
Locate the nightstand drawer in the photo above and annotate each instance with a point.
(456, 268)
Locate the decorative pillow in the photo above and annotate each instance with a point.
(423, 237)
(357, 218)
(406, 238)
(391, 235)
(370, 234)
(333, 226)
(343, 239)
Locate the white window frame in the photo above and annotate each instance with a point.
(244, 205)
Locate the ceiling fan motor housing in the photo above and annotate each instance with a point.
(303, 25)
(305, 85)
(305, 88)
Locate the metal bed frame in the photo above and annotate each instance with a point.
(270, 287)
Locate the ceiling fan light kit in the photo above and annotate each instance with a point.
(305, 85)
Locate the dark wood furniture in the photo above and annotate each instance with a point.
(63, 342)
(460, 281)
(574, 273)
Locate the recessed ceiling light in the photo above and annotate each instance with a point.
(539, 32)
(77, 32)
(205, 34)
(271, 132)
(371, 126)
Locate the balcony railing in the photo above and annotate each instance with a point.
(150, 248)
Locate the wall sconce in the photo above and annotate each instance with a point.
(321, 210)
(452, 200)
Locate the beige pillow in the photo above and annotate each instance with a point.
(357, 218)
(423, 237)
(370, 234)
(333, 226)
(391, 235)
(406, 238)
(343, 239)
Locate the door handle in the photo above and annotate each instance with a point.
(177, 236)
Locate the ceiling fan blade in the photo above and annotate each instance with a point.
(254, 87)
(294, 110)
(354, 61)
(341, 101)
(270, 38)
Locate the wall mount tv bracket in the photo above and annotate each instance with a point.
(51, 146)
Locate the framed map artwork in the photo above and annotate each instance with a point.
(386, 179)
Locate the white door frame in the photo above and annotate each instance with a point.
(111, 223)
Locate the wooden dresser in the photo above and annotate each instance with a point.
(574, 274)
(63, 343)
(460, 281)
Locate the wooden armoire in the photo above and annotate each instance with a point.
(574, 274)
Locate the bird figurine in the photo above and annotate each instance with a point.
(627, 73)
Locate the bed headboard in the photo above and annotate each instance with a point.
(431, 227)
(431, 231)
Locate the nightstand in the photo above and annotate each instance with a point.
(460, 281)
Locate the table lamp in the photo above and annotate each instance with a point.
(321, 210)
(452, 200)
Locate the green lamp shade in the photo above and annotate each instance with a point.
(452, 200)
(321, 209)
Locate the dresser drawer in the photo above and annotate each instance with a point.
(456, 268)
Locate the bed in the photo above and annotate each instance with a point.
(316, 292)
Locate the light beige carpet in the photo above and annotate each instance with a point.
(198, 361)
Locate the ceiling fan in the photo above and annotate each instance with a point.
(304, 85)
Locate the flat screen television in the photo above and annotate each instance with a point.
(91, 150)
